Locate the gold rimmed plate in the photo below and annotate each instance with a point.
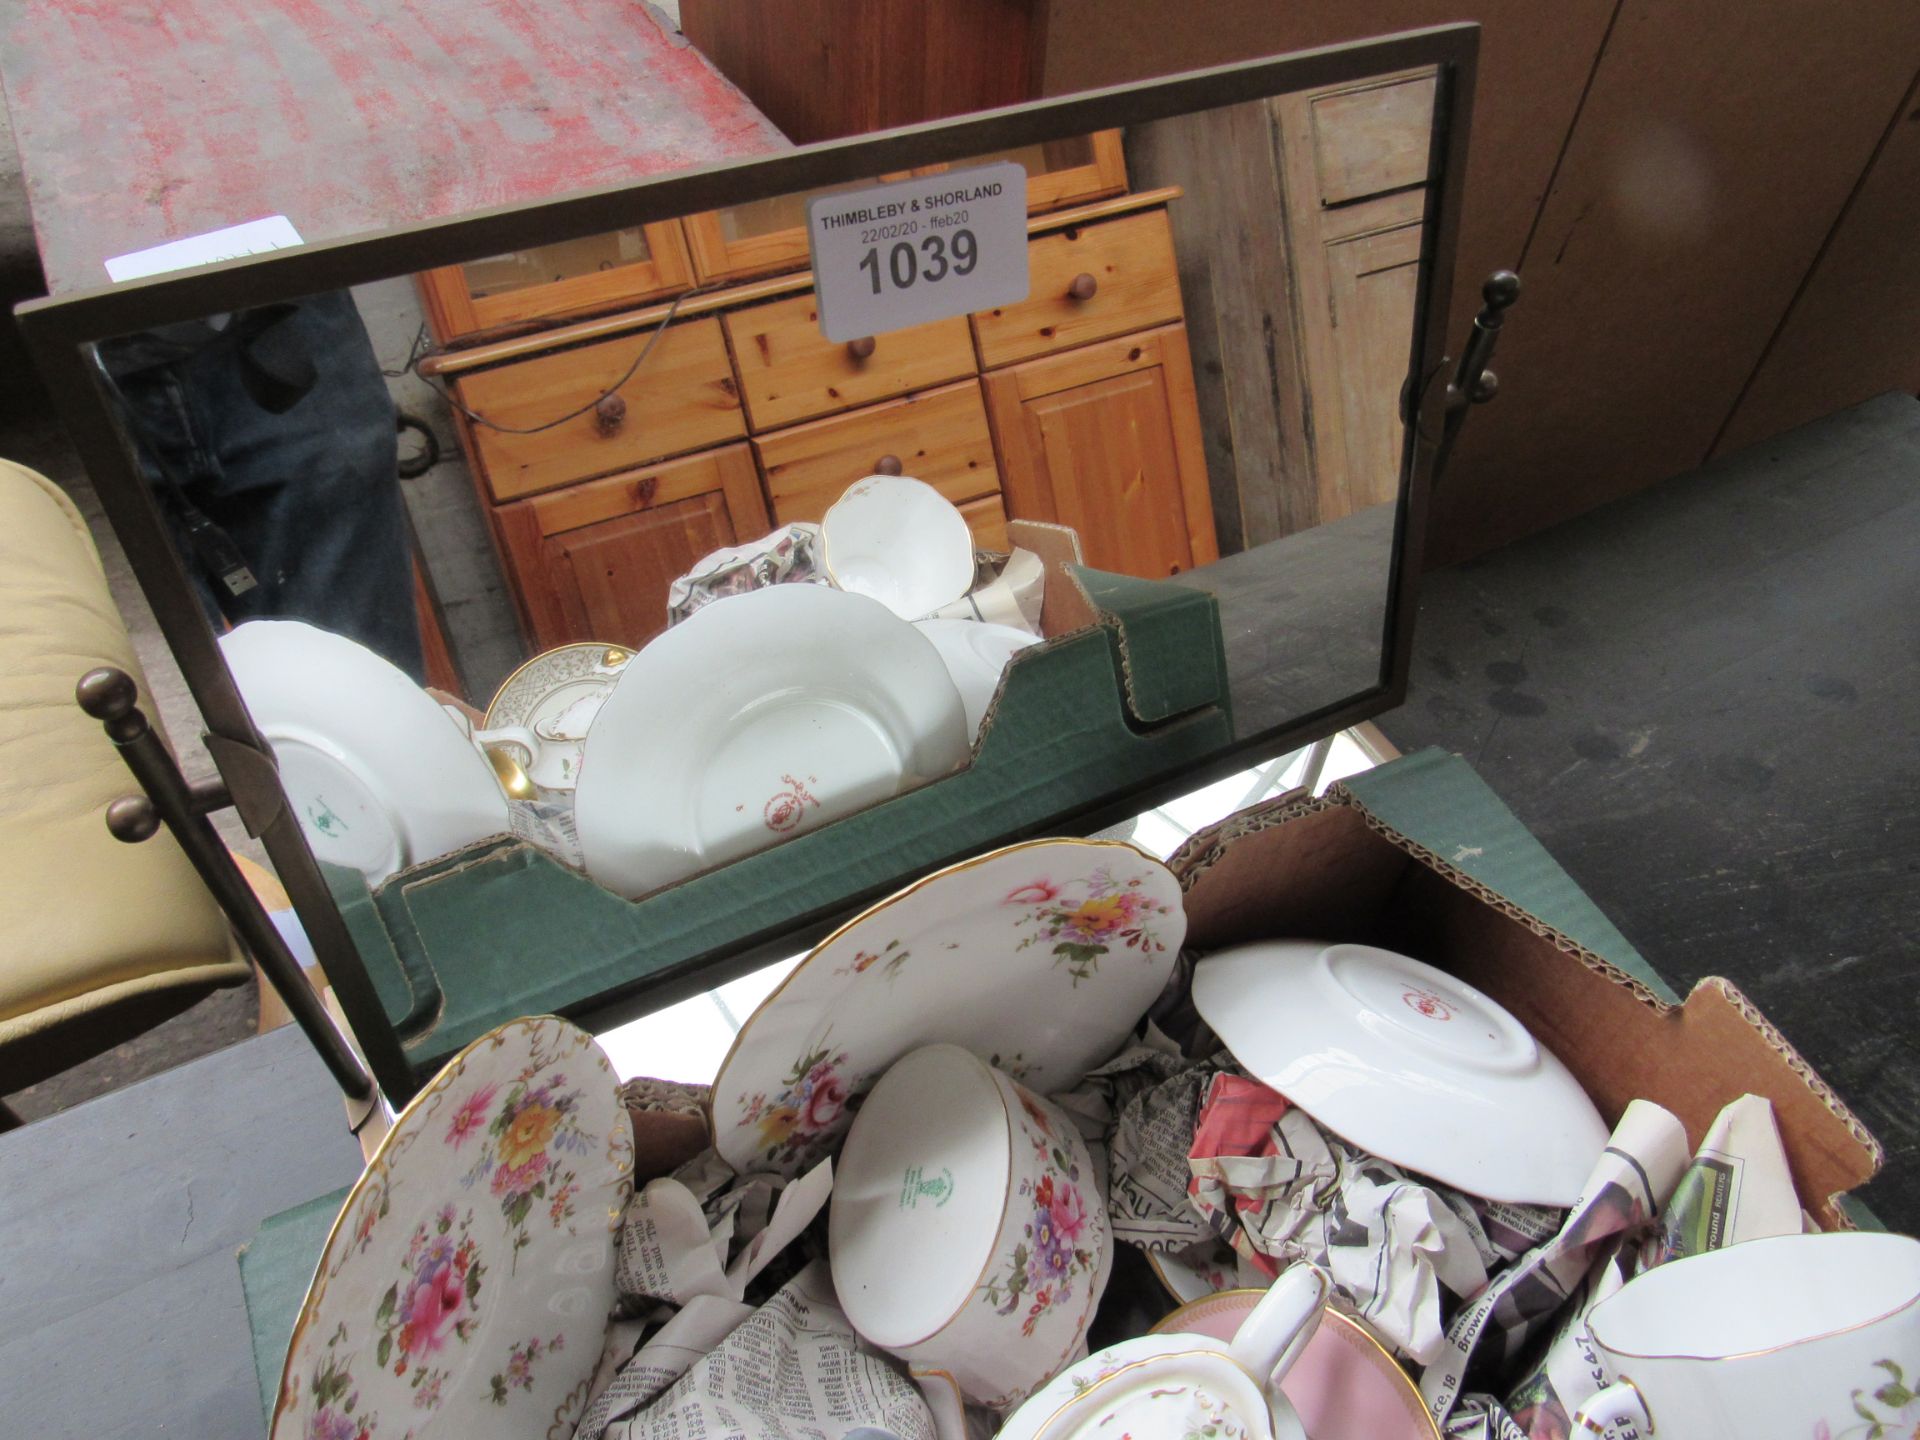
(466, 1285)
(1040, 958)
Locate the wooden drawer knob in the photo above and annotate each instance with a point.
(860, 349)
(888, 465)
(609, 412)
(1084, 287)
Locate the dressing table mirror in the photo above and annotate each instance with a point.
(1217, 367)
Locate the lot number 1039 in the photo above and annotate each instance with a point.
(906, 264)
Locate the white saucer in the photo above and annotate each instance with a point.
(900, 541)
(377, 773)
(1039, 958)
(761, 716)
(975, 653)
(1406, 1062)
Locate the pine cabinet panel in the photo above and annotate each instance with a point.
(1106, 439)
(939, 436)
(789, 371)
(1135, 284)
(681, 397)
(594, 562)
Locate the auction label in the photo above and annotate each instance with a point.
(912, 251)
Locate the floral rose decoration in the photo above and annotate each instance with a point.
(1111, 913)
(528, 1134)
(1069, 1212)
(434, 1301)
(826, 1097)
(471, 1118)
(1059, 1244)
(1034, 892)
(335, 1399)
(812, 1102)
(437, 1300)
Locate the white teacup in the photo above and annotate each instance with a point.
(967, 1233)
(1171, 1386)
(549, 752)
(1797, 1335)
(901, 542)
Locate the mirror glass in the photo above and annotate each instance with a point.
(463, 469)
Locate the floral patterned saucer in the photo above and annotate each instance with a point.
(1039, 958)
(466, 1285)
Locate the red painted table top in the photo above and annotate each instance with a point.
(141, 121)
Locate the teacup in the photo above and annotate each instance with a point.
(1803, 1335)
(1166, 1386)
(899, 541)
(549, 753)
(967, 1234)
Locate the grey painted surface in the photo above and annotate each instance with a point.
(1705, 701)
(121, 1311)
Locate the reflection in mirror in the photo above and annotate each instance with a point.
(1203, 383)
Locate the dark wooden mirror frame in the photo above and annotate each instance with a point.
(61, 332)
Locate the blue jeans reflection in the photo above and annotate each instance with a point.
(275, 425)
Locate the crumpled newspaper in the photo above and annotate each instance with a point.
(1400, 1249)
(1736, 1187)
(791, 1369)
(1632, 1178)
(787, 556)
(1199, 1153)
(694, 1249)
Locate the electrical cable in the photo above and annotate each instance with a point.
(453, 400)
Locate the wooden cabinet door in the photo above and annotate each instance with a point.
(1355, 160)
(1107, 439)
(594, 562)
(1372, 283)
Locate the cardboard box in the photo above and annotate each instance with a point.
(1335, 868)
(1130, 687)
(1419, 856)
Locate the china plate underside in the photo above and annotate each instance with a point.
(466, 1286)
(375, 744)
(1039, 958)
(1406, 1062)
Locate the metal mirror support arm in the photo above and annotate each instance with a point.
(1473, 383)
(109, 696)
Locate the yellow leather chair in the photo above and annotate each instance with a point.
(99, 940)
